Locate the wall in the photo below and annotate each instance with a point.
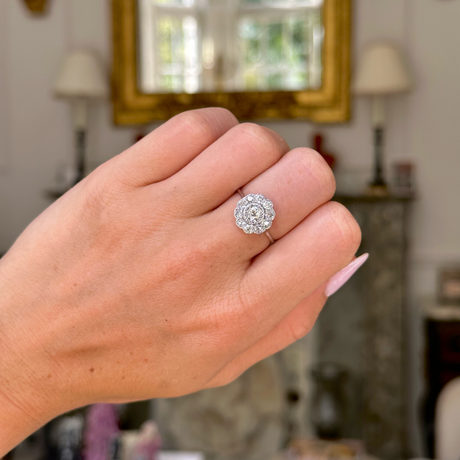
(431, 139)
(35, 129)
(40, 137)
(3, 90)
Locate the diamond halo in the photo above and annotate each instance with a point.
(254, 213)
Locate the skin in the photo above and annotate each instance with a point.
(138, 284)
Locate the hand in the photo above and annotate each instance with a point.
(138, 284)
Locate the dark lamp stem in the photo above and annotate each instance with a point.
(378, 180)
(80, 155)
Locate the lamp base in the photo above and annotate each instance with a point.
(374, 189)
(378, 186)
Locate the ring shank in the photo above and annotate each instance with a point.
(270, 238)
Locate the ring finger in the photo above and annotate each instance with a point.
(297, 184)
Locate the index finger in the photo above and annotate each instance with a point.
(173, 145)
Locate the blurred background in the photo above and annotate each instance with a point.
(371, 84)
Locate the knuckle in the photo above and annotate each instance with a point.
(311, 164)
(100, 193)
(253, 129)
(195, 124)
(193, 263)
(225, 377)
(252, 300)
(235, 318)
(262, 139)
(345, 228)
(219, 114)
(206, 123)
(183, 260)
(299, 328)
(109, 176)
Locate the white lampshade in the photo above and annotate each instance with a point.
(82, 76)
(382, 70)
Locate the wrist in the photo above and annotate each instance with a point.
(20, 417)
(29, 396)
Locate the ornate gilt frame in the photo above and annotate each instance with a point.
(329, 104)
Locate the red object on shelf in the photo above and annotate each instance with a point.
(318, 142)
(140, 135)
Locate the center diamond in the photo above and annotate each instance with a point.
(254, 214)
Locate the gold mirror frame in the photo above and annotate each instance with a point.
(329, 104)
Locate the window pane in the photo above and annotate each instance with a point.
(222, 45)
(279, 49)
(185, 3)
(283, 3)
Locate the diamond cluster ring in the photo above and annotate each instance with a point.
(254, 214)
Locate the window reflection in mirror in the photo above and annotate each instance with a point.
(196, 46)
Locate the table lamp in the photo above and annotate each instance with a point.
(82, 79)
(381, 72)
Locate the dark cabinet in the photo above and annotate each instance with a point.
(442, 364)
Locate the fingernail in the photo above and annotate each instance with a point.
(340, 278)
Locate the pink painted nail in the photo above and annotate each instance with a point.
(340, 278)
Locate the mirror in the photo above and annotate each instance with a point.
(194, 46)
(258, 58)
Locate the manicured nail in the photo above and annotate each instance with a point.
(340, 278)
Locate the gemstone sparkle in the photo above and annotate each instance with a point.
(254, 213)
